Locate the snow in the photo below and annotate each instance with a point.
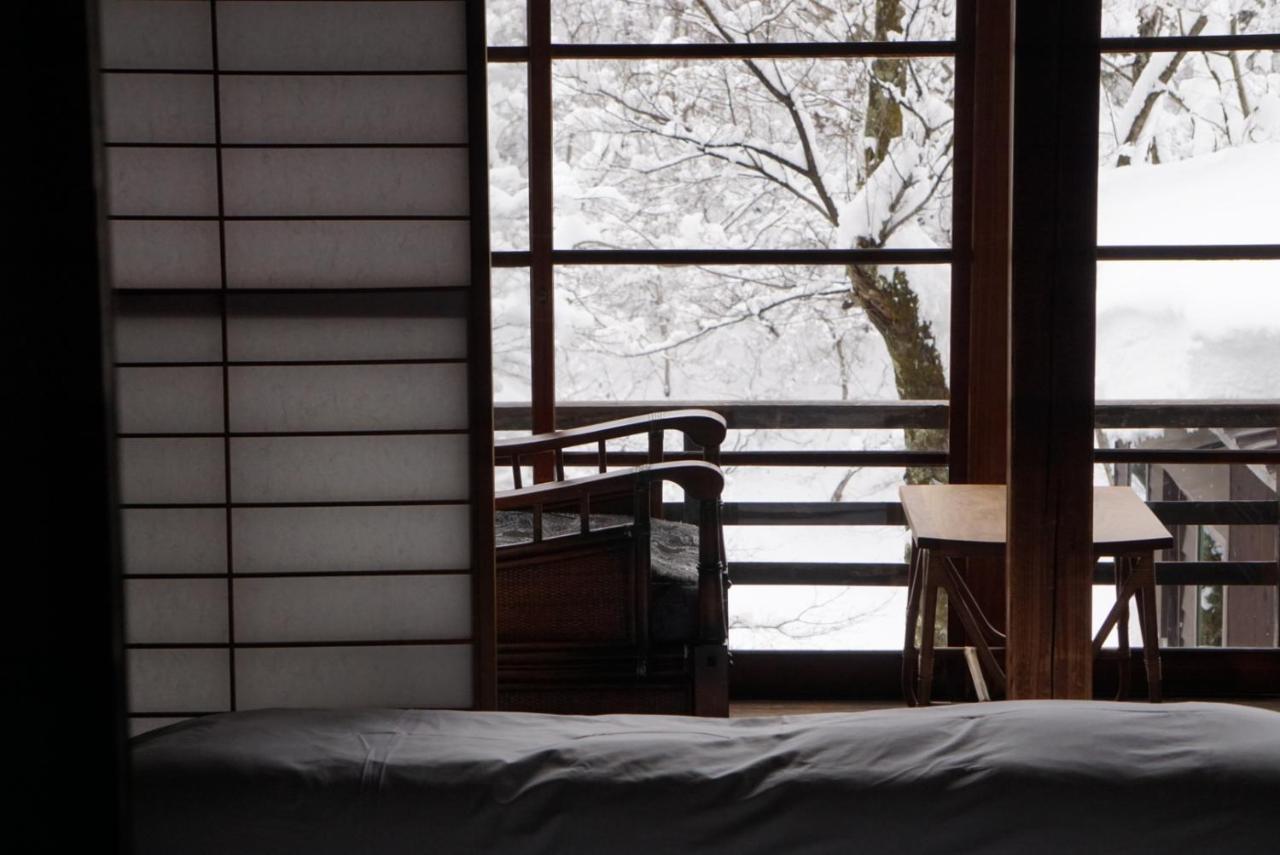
(1191, 329)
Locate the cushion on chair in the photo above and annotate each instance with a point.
(673, 564)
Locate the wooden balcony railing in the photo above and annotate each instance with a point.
(817, 415)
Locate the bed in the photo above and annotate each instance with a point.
(1022, 776)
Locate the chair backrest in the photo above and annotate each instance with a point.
(703, 432)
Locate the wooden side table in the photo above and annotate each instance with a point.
(950, 521)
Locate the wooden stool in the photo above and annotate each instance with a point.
(950, 521)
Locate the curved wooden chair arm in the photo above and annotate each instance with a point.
(699, 479)
(704, 427)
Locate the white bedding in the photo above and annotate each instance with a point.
(1035, 777)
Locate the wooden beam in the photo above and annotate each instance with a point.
(980, 335)
(542, 325)
(1051, 368)
(480, 379)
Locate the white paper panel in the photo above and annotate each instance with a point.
(178, 680)
(164, 328)
(169, 400)
(344, 181)
(344, 608)
(171, 471)
(139, 726)
(175, 611)
(400, 676)
(162, 181)
(337, 36)
(349, 468)
(303, 335)
(175, 540)
(355, 254)
(147, 34)
(352, 539)
(164, 254)
(158, 108)
(352, 109)
(348, 397)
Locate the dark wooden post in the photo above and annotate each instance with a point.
(1051, 311)
(980, 315)
(542, 326)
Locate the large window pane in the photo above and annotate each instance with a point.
(816, 617)
(505, 22)
(512, 378)
(749, 333)
(508, 156)
(1128, 18)
(1188, 147)
(771, 154)
(658, 21)
(1187, 330)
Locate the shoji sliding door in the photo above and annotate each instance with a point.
(300, 267)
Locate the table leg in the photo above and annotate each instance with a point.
(910, 661)
(971, 617)
(929, 588)
(1124, 568)
(1144, 568)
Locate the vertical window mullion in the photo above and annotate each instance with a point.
(542, 311)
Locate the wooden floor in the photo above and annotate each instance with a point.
(746, 709)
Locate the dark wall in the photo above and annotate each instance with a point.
(62, 615)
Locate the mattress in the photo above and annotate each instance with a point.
(1037, 777)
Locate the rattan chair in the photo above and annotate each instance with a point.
(602, 604)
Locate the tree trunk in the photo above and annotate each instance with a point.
(891, 305)
(894, 310)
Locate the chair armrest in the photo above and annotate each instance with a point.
(699, 479)
(704, 427)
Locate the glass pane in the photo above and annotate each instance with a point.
(512, 348)
(505, 22)
(1185, 330)
(750, 155)
(750, 333)
(1188, 148)
(812, 617)
(658, 21)
(1127, 18)
(508, 156)
(825, 617)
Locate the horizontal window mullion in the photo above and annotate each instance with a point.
(294, 72)
(730, 50)
(1176, 252)
(751, 256)
(264, 434)
(243, 645)
(1190, 455)
(1151, 44)
(1197, 414)
(336, 503)
(298, 145)
(292, 218)
(859, 574)
(753, 50)
(349, 290)
(772, 458)
(297, 363)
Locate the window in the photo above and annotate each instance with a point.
(1188, 308)
(754, 204)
